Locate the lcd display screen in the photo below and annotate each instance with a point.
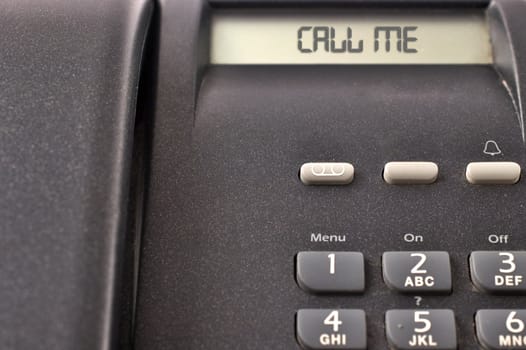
(356, 37)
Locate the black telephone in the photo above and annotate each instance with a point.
(253, 174)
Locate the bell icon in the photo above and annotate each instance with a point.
(492, 148)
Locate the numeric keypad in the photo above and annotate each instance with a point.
(413, 272)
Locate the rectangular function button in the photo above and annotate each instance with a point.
(421, 329)
(499, 272)
(417, 272)
(331, 329)
(326, 173)
(330, 272)
(407, 173)
(501, 329)
(493, 173)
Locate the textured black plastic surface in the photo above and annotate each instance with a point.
(226, 212)
(68, 83)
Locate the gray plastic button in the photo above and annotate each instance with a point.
(421, 329)
(326, 173)
(410, 173)
(330, 272)
(331, 329)
(417, 272)
(493, 173)
(499, 272)
(501, 329)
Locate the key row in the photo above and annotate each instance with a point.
(408, 329)
(492, 272)
(404, 173)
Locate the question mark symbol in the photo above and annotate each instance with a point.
(418, 300)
